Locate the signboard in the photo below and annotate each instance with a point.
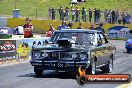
(18, 49)
(7, 50)
(24, 46)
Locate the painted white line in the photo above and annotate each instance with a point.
(128, 85)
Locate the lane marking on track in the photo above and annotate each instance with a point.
(128, 85)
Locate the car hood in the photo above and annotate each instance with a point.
(129, 41)
(56, 47)
(63, 45)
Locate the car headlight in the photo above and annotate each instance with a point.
(82, 56)
(37, 54)
(74, 55)
(45, 54)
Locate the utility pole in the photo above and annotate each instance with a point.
(36, 12)
(36, 9)
(15, 4)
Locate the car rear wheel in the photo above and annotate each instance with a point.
(108, 67)
(38, 71)
(128, 51)
(92, 68)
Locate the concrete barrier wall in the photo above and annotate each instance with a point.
(41, 26)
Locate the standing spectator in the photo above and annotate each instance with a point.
(113, 15)
(109, 17)
(92, 27)
(63, 16)
(105, 15)
(117, 16)
(73, 13)
(84, 14)
(100, 28)
(95, 15)
(120, 18)
(90, 15)
(66, 13)
(128, 18)
(61, 13)
(49, 13)
(63, 26)
(53, 13)
(123, 18)
(77, 12)
(98, 15)
(80, 26)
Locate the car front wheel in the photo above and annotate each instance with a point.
(128, 51)
(92, 68)
(108, 67)
(38, 72)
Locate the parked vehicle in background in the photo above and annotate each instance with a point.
(128, 45)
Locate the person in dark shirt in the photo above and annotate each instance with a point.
(53, 13)
(80, 26)
(100, 28)
(63, 26)
(92, 27)
(90, 15)
(70, 24)
(113, 14)
(95, 15)
(61, 13)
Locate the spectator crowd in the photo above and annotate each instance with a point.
(90, 15)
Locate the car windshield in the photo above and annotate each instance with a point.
(78, 37)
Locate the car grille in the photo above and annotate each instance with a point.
(59, 55)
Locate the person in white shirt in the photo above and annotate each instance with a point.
(20, 30)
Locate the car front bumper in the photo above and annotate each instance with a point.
(59, 65)
(129, 48)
